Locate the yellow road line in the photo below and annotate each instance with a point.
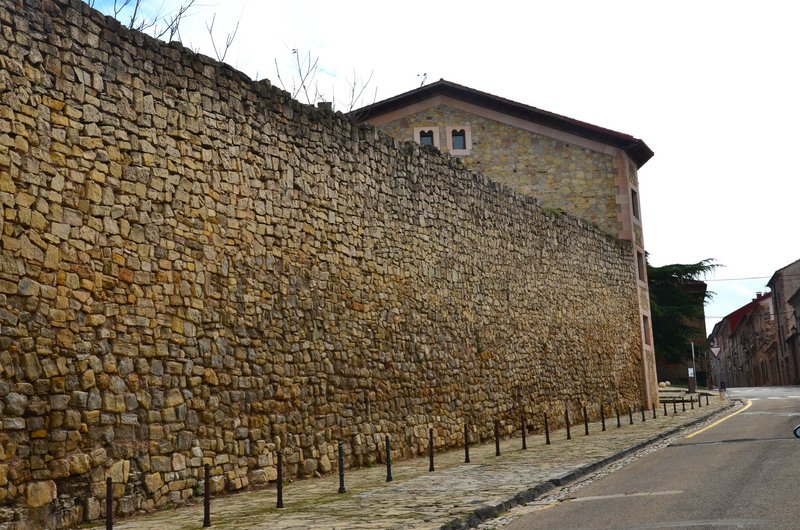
(707, 427)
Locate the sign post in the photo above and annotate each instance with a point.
(692, 381)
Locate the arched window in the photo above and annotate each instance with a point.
(459, 139)
(426, 137)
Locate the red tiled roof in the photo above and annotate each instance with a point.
(737, 316)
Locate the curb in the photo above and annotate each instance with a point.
(484, 513)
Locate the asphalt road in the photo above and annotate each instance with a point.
(741, 473)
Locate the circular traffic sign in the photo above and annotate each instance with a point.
(797, 431)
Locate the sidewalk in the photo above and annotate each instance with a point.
(456, 495)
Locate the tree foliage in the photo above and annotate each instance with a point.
(677, 298)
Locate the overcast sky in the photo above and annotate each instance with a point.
(711, 86)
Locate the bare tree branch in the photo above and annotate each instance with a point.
(304, 85)
(357, 88)
(119, 6)
(157, 25)
(221, 52)
(135, 15)
(173, 25)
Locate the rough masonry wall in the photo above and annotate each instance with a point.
(196, 269)
(561, 175)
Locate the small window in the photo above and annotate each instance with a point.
(459, 139)
(427, 136)
(646, 324)
(640, 265)
(635, 203)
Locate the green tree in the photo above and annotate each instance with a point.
(677, 298)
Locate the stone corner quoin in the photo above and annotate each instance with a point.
(195, 269)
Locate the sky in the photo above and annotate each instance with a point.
(711, 86)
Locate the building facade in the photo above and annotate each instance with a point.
(744, 344)
(784, 284)
(794, 338)
(567, 165)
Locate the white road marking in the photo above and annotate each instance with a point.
(707, 523)
(620, 495)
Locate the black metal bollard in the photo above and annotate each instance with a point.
(683, 404)
(630, 413)
(430, 450)
(341, 468)
(655, 414)
(706, 399)
(546, 430)
(109, 504)
(496, 438)
(616, 411)
(524, 440)
(691, 402)
(585, 422)
(566, 419)
(674, 407)
(206, 496)
(280, 480)
(466, 443)
(665, 407)
(602, 417)
(699, 403)
(644, 419)
(388, 460)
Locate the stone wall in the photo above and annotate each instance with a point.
(196, 269)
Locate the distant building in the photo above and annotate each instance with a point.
(794, 337)
(784, 284)
(744, 343)
(567, 164)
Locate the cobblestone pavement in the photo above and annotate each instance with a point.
(456, 495)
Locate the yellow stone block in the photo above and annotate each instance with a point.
(177, 324)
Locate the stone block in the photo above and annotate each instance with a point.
(79, 464)
(178, 462)
(161, 463)
(119, 471)
(41, 493)
(153, 482)
(216, 484)
(15, 404)
(14, 424)
(173, 397)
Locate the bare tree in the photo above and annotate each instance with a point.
(221, 52)
(303, 84)
(160, 25)
(358, 85)
(302, 78)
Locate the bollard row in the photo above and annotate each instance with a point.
(431, 451)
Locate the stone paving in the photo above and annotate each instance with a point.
(455, 495)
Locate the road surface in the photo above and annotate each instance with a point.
(741, 473)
